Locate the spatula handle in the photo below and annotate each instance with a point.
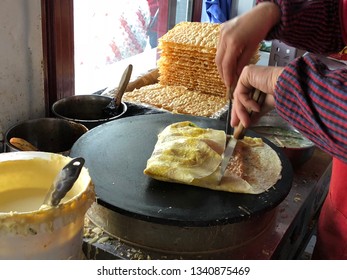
(64, 181)
(240, 130)
(230, 91)
(22, 144)
(124, 81)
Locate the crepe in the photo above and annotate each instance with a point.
(191, 155)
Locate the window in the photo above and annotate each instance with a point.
(111, 34)
(60, 25)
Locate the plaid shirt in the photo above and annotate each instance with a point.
(308, 94)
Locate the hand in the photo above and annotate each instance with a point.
(240, 38)
(263, 78)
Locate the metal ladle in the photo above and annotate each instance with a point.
(63, 182)
(113, 107)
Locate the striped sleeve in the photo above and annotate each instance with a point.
(313, 26)
(314, 100)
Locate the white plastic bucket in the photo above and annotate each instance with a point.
(28, 232)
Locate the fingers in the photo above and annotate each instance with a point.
(263, 78)
(230, 48)
(240, 37)
(230, 60)
(226, 61)
(239, 114)
(243, 104)
(252, 76)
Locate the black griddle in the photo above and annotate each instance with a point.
(116, 154)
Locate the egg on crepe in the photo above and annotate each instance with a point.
(191, 155)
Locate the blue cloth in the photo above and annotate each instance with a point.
(218, 11)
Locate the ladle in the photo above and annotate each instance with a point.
(113, 107)
(63, 182)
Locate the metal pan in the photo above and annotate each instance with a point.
(116, 154)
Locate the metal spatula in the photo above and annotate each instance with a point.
(239, 132)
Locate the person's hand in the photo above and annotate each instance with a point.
(263, 78)
(240, 38)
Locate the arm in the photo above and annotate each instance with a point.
(315, 26)
(305, 93)
(240, 37)
(314, 100)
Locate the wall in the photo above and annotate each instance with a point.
(21, 71)
(241, 6)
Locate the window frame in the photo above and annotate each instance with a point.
(58, 50)
(58, 47)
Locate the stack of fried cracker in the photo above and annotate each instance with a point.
(188, 58)
(189, 82)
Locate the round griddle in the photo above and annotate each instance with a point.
(116, 154)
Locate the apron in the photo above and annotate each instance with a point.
(332, 223)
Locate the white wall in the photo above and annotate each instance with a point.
(241, 6)
(21, 62)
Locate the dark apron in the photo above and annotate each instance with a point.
(332, 224)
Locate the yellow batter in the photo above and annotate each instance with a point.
(23, 200)
(25, 191)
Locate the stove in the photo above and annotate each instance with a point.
(281, 233)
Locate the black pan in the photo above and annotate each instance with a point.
(116, 154)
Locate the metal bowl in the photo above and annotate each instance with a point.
(297, 148)
(47, 134)
(86, 109)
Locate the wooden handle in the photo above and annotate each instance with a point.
(229, 94)
(124, 81)
(149, 78)
(240, 130)
(22, 144)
